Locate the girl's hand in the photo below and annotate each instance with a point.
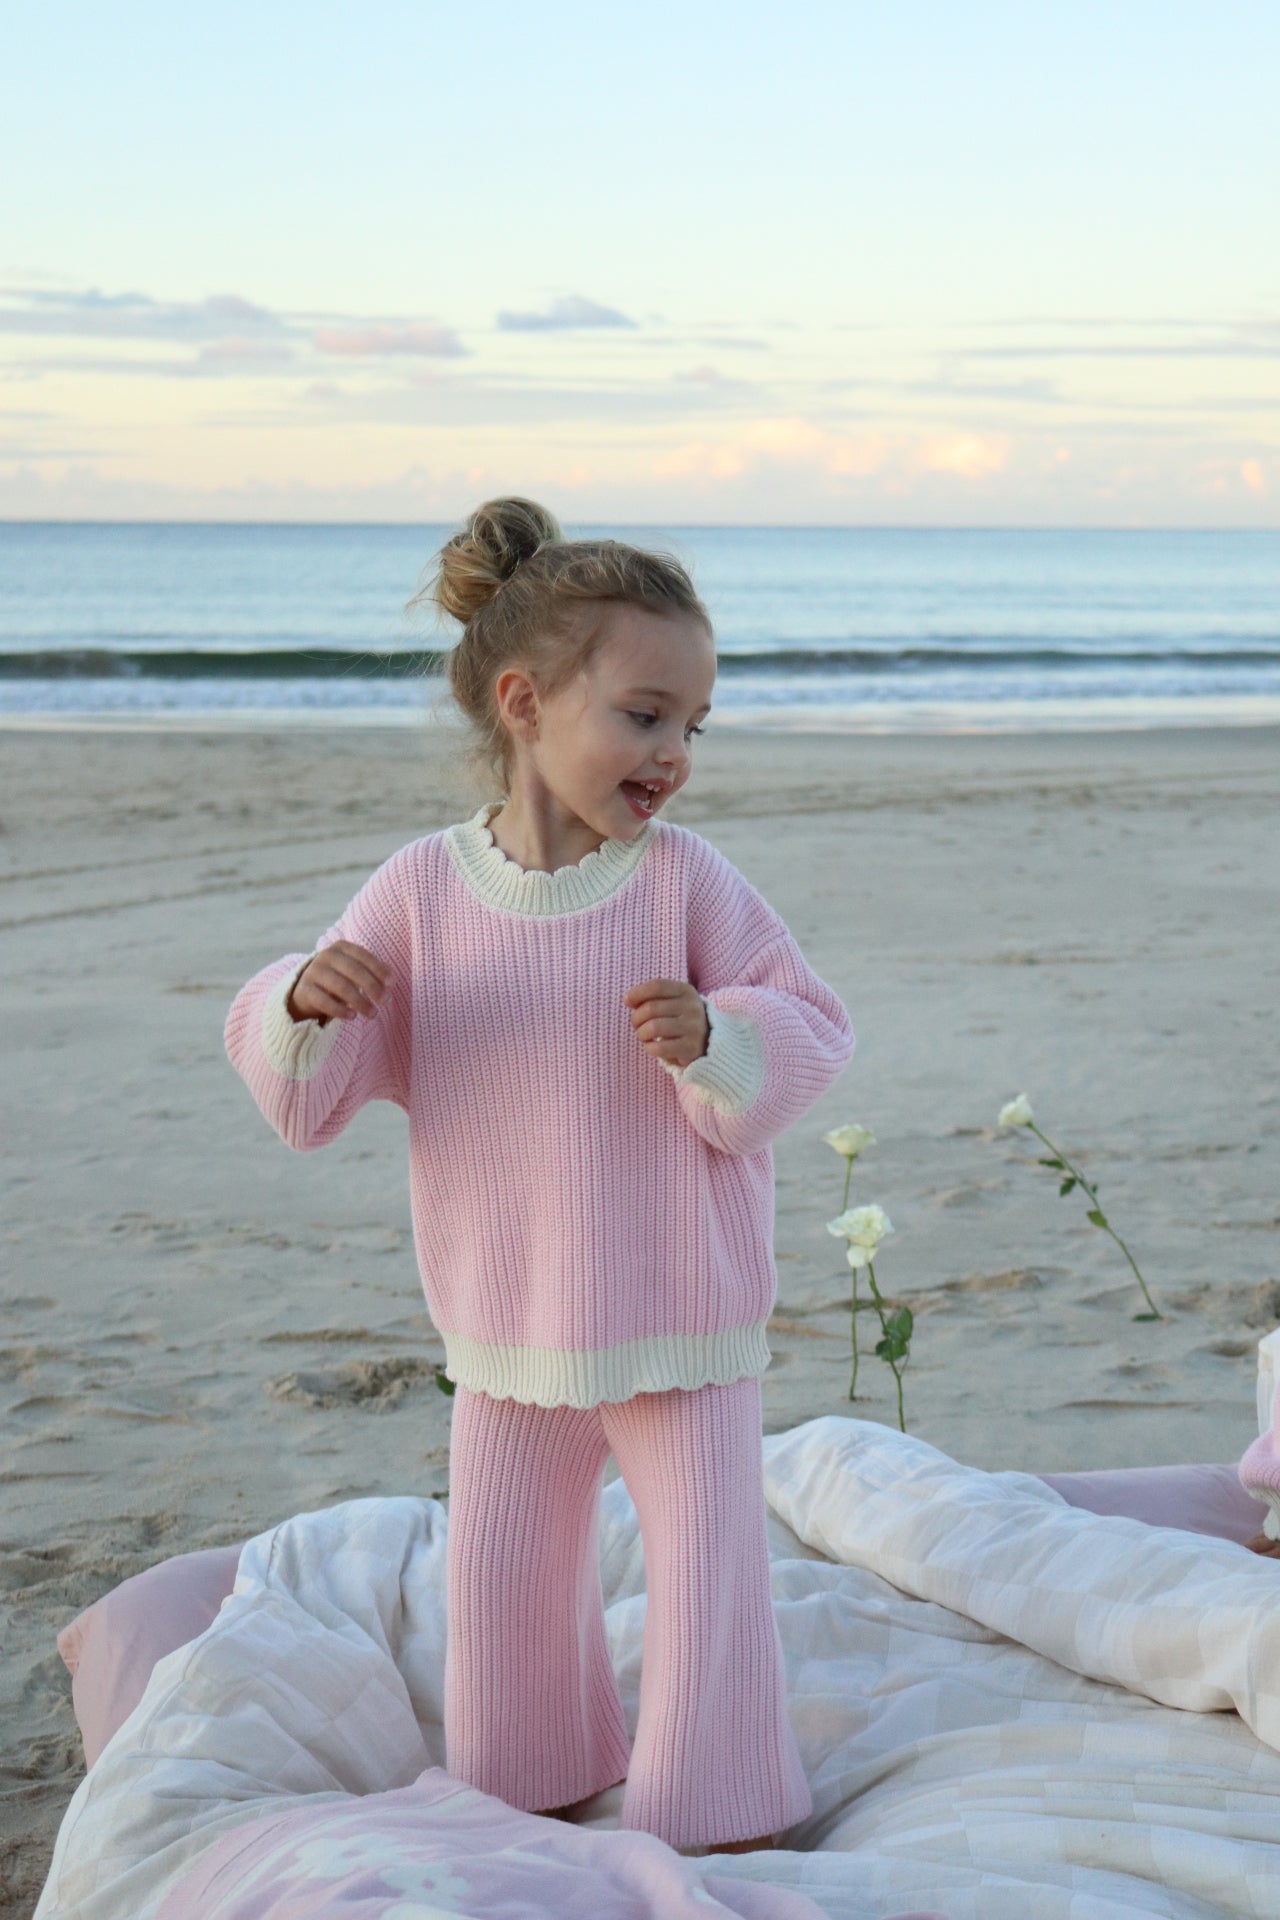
(670, 1018)
(342, 981)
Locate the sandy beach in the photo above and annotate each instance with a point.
(205, 1333)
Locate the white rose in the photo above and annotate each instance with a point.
(863, 1228)
(850, 1140)
(1017, 1113)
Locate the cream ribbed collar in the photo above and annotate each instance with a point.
(503, 882)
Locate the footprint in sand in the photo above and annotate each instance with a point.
(375, 1386)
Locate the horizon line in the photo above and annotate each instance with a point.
(709, 526)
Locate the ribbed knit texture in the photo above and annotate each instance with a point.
(532, 1711)
(590, 1222)
(1259, 1470)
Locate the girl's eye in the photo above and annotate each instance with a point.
(653, 716)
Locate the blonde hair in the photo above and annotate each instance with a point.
(520, 590)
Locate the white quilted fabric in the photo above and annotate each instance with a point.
(1006, 1707)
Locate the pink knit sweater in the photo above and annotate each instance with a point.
(590, 1222)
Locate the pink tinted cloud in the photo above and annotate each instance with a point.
(368, 343)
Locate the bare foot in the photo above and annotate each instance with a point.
(1261, 1544)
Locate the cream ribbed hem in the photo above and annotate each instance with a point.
(582, 1377)
(730, 1074)
(295, 1048)
(504, 883)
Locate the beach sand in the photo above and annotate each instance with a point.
(205, 1333)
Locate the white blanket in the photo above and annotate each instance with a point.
(1006, 1706)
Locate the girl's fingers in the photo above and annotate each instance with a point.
(330, 1007)
(361, 980)
(370, 983)
(357, 987)
(340, 994)
(369, 961)
(658, 1029)
(664, 1007)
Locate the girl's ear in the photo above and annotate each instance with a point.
(517, 702)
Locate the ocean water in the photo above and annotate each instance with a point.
(864, 628)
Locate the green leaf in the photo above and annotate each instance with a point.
(897, 1335)
(1147, 1316)
(1067, 1185)
(445, 1384)
(1097, 1216)
(1042, 1162)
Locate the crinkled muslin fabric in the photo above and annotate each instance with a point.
(1004, 1705)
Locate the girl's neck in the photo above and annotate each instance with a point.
(537, 845)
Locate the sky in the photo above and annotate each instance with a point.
(828, 264)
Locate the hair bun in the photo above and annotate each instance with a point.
(496, 539)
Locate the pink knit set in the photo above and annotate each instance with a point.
(594, 1232)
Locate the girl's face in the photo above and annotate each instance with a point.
(631, 717)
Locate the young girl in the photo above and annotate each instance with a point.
(597, 1027)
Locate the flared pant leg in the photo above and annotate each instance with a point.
(531, 1705)
(715, 1758)
(532, 1711)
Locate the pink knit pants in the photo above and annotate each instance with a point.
(532, 1712)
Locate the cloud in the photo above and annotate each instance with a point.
(571, 311)
(430, 396)
(1253, 475)
(707, 376)
(16, 450)
(220, 360)
(706, 389)
(238, 355)
(130, 316)
(233, 332)
(778, 441)
(791, 441)
(721, 342)
(970, 456)
(367, 343)
(1039, 392)
(1260, 345)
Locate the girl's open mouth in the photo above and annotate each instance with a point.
(640, 799)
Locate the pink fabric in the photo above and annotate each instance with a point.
(1260, 1466)
(531, 1705)
(1199, 1499)
(456, 1851)
(1259, 1470)
(567, 1193)
(111, 1647)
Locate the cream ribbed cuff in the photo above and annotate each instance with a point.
(730, 1074)
(296, 1048)
(583, 1376)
